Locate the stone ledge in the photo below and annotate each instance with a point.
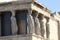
(22, 37)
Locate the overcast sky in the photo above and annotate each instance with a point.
(53, 5)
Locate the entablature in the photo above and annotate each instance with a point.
(34, 7)
(14, 6)
(20, 5)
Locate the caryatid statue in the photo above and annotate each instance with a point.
(42, 28)
(30, 23)
(14, 24)
(36, 21)
(41, 24)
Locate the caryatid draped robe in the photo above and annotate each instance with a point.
(14, 24)
(30, 23)
(37, 26)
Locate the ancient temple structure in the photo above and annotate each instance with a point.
(27, 20)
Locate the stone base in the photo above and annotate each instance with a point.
(22, 37)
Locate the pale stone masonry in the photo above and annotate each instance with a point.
(28, 20)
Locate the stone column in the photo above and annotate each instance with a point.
(42, 30)
(37, 26)
(30, 22)
(36, 22)
(13, 23)
(44, 20)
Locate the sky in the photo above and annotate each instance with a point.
(53, 5)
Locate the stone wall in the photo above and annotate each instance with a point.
(53, 29)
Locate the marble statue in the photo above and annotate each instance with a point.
(14, 24)
(42, 31)
(36, 22)
(37, 25)
(30, 23)
(42, 28)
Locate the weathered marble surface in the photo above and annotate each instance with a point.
(30, 23)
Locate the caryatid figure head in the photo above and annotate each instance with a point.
(35, 13)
